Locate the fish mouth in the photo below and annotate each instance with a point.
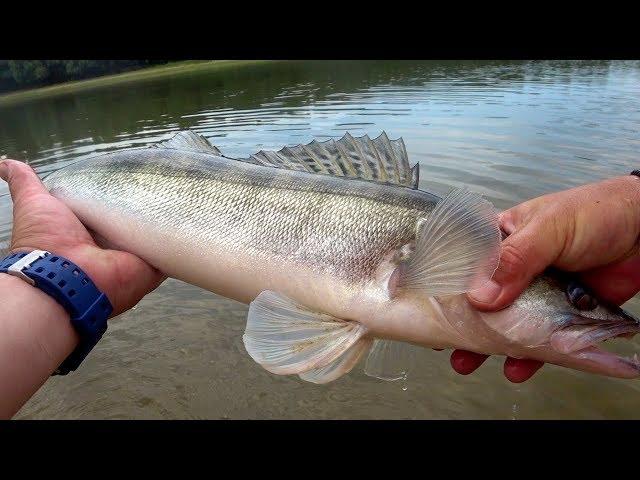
(610, 363)
(582, 340)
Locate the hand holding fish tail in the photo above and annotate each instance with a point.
(593, 230)
(40, 221)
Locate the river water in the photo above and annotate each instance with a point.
(509, 130)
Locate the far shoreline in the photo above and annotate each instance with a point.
(156, 71)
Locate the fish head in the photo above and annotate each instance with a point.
(557, 319)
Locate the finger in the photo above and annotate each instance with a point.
(519, 370)
(524, 254)
(465, 362)
(615, 283)
(23, 181)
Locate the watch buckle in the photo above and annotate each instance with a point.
(25, 262)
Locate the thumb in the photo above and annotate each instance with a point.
(23, 181)
(525, 253)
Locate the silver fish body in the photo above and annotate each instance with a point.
(237, 229)
(336, 250)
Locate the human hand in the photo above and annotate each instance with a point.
(42, 222)
(593, 230)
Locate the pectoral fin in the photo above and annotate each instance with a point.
(457, 247)
(287, 338)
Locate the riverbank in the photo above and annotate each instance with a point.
(135, 75)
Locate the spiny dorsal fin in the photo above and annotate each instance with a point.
(381, 160)
(188, 140)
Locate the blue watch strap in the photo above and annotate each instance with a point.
(60, 278)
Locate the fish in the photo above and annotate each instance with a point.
(339, 254)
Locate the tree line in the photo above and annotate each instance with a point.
(19, 74)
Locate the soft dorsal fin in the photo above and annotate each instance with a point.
(188, 140)
(381, 160)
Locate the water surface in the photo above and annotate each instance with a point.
(509, 130)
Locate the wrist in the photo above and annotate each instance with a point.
(70, 286)
(90, 259)
(47, 323)
(35, 338)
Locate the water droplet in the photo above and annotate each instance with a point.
(404, 381)
(515, 408)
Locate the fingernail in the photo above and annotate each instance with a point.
(488, 293)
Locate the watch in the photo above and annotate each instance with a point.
(63, 280)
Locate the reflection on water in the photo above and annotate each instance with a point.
(509, 130)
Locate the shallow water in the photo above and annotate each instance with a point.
(509, 130)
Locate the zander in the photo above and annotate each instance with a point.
(338, 253)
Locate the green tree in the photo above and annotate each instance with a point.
(16, 74)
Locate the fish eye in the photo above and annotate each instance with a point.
(580, 298)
